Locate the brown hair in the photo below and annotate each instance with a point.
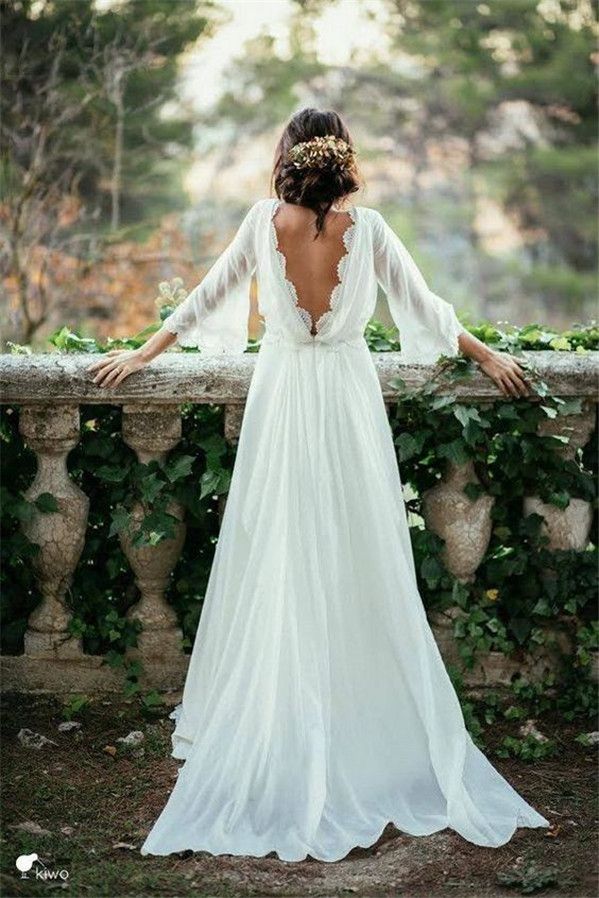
(315, 187)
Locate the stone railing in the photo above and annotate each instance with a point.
(49, 388)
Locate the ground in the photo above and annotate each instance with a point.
(86, 803)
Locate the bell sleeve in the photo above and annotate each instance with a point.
(214, 315)
(428, 325)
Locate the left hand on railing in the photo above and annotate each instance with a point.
(505, 371)
(115, 366)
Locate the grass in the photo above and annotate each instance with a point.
(90, 800)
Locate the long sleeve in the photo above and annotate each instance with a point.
(214, 315)
(428, 325)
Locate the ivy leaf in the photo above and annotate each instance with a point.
(550, 412)
(119, 520)
(454, 451)
(430, 569)
(152, 699)
(442, 401)
(560, 344)
(508, 411)
(542, 608)
(570, 407)
(466, 413)
(214, 482)
(111, 473)
(407, 446)
(520, 627)
(474, 490)
(151, 487)
(46, 502)
(560, 499)
(473, 433)
(214, 446)
(179, 467)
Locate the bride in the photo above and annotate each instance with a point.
(317, 707)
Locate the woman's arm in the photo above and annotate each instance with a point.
(209, 299)
(502, 368)
(428, 325)
(118, 364)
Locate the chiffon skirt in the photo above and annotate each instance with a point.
(317, 707)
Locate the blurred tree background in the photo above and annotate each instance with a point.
(136, 132)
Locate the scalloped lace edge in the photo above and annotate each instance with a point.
(304, 314)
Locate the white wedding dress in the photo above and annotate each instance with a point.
(317, 707)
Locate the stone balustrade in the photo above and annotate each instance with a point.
(49, 388)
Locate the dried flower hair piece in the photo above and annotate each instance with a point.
(320, 152)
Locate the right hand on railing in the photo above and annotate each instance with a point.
(116, 365)
(505, 371)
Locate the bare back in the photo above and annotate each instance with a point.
(311, 266)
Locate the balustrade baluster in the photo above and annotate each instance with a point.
(152, 431)
(464, 524)
(51, 432)
(566, 528)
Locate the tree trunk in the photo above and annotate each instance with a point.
(117, 165)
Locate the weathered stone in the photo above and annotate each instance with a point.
(442, 624)
(85, 674)
(464, 524)
(152, 432)
(578, 429)
(52, 432)
(29, 739)
(176, 377)
(565, 528)
(494, 669)
(233, 422)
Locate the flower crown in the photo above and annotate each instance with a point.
(320, 152)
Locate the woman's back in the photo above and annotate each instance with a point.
(311, 265)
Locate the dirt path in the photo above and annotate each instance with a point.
(85, 804)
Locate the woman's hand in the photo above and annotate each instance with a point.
(116, 365)
(505, 371)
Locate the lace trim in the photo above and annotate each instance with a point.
(305, 316)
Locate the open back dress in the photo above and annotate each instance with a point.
(317, 708)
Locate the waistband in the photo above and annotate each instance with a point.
(315, 344)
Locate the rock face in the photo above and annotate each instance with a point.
(48, 388)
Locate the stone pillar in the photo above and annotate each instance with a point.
(51, 432)
(152, 431)
(464, 524)
(566, 528)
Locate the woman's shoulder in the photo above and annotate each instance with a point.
(265, 202)
(369, 213)
(253, 209)
(373, 219)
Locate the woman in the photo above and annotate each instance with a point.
(317, 707)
